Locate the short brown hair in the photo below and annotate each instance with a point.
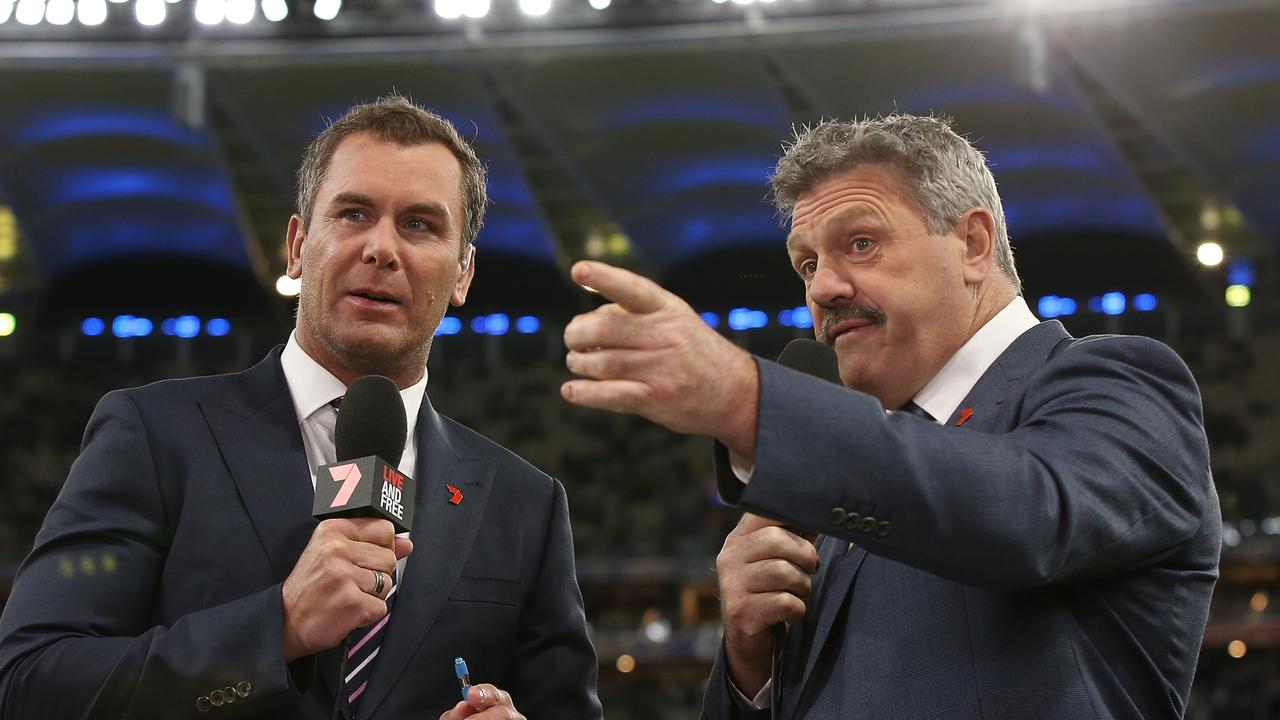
(397, 119)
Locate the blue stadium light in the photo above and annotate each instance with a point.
(449, 326)
(759, 318)
(93, 327)
(801, 317)
(477, 324)
(1050, 306)
(187, 326)
(711, 319)
(169, 326)
(739, 319)
(1145, 302)
(527, 324)
(1240, 272)
(1066, 306)
(497, 324)
(217, 327)
(1095, 304)
(1113, 303)
(122, 326)
(142, 327)
(784, 317)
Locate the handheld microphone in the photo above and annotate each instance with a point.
(814, 358)
(370, 437)
(811, 357)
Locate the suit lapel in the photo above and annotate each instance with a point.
(842, 566)
(256, 429)
(443, 534)
(1029, 351)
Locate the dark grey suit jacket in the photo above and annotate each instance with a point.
(1051, 557)
(156, 577)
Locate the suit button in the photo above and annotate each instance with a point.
(243, 689)
(837, 516)
(883, 528)
(203, 704)
(217, 698)
(851, 522)
(868, 524)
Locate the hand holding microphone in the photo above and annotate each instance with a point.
(342, 578)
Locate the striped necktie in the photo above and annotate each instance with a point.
(363, 643)
(362, 646)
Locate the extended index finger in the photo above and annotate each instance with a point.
(634, 292)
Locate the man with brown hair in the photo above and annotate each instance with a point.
(226, 597)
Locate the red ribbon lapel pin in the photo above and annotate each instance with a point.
(455, 494)
(965, 414)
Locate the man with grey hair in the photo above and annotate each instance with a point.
(991, 519)
(219, 593)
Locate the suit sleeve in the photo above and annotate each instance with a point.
(556, 670)
(78, 638)
(1106, 470)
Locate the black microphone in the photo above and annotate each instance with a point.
(819, 360)
(370, 437)
(812, 357)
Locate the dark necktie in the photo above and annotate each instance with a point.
(918, 411)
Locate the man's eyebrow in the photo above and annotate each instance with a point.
(844, 216)
(352, 198)
(436, 210)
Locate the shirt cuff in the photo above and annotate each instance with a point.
(741, 467)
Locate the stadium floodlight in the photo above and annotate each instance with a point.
(288, 286)
(29, 12)
(210, 12)
(1209, 254)
(535, 8)
(59, 12)
(475, 9)
(91, 12)
(327, 9)
(600, 4)
(275, 10)
(449, 9)
(149, 12)
(240, 12)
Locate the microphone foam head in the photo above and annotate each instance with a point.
(812, 357)
(371, 421)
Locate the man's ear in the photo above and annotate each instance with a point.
(293, 239)
(468, 262)
(977, 229)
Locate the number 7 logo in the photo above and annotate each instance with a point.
(349, 476)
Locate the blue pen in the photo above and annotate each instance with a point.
(464, 676)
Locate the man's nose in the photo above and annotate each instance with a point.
(381, 245)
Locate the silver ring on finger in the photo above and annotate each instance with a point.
(377, 583)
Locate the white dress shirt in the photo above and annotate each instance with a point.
(312, 387)
(940, 397)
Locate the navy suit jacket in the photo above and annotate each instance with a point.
(1049, 553)
(156, 578)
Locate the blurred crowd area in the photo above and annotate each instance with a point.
(646, 519)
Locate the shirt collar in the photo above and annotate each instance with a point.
(312, 386)
(944, 393)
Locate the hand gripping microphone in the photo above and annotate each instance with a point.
(819, 360)
(370, 437)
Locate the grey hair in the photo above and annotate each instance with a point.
(945, 174)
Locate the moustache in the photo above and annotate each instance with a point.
(840, 313)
